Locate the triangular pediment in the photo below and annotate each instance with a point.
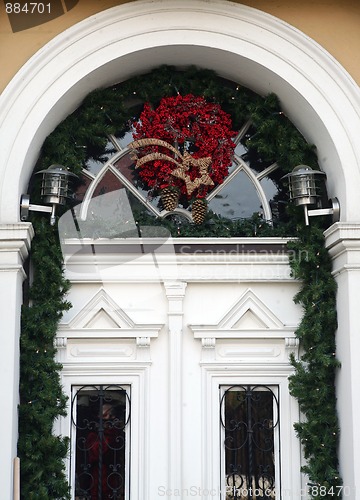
(100, 313)
(249, 321)
(101, 320)
(249, 313)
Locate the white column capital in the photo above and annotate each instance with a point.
(343, 243)
(15, 242)
(175, 289)
(175, 293)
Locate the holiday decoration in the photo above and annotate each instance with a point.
(202, 164)
(198, 133)
(170, 198)
(314, 378)
(83, 135)
(198, 210)
(204, 178)
(41, 398)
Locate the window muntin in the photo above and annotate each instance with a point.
(248, 189)
(250, 461)
(101, 442)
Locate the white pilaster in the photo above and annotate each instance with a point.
(175, 293)
(14, 248)
(343, 242)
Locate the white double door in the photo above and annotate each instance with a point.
(186, 389)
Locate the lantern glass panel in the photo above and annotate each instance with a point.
(303, 189)
(304, 185)
(54, 188)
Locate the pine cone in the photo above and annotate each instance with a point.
(169, 199)
(198, 211)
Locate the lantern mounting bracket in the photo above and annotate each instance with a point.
(334, 210)
(26, 207)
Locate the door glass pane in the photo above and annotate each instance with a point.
(95, 165)
(250, 462)
(125, 165)
(101, 420)
(237, 200)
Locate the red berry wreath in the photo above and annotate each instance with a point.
(185, 143)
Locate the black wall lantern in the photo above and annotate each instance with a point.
(54, 191)
(305, 188)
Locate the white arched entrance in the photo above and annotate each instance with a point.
(238, 42)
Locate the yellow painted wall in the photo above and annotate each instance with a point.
(334, 24)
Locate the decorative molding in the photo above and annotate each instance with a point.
(249, 317)
(343, 243)
(175, 293)
(151, 331)
(292, 346)
(208, 342)
(15, 242)
(208, 353)
(143, 342)
(249, 352)
(202, 331)
(61, 342)
(102, 350)
(101, 303)
(121, 260)
(23, 231)
(102, 317)
(250, 302)
(175, 290)
(143, 349)
(265, 248)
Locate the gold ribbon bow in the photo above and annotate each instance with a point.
(186, 160)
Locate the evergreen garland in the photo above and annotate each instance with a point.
(82, 136)
(313, 383)
(41, 397)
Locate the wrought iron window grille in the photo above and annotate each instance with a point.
(249, 416)
(100, 418)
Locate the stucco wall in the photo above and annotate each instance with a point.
(334, 24)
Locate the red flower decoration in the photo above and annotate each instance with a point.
(192, 125)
